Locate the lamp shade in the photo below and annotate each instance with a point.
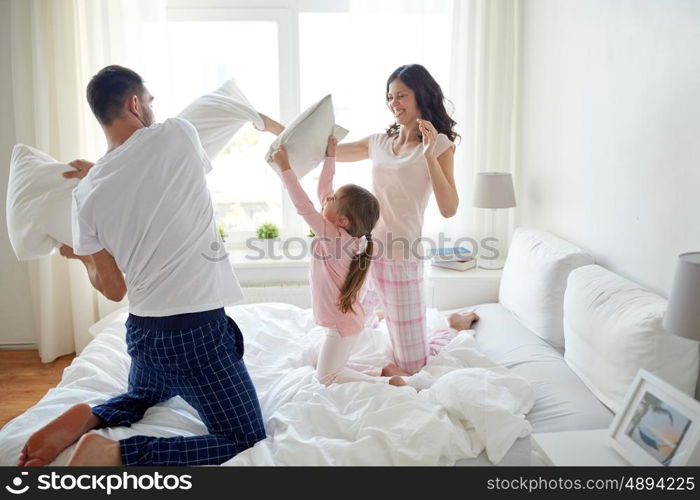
(493, 190)
(683, 314)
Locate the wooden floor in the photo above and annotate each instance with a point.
(24, 379)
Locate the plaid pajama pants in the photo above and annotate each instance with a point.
(397, 285)
(197, 356)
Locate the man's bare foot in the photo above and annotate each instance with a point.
(397, 381)
(391, 370)
(463, 321)
(96, 450)
(44, 445)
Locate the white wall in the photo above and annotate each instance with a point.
(16, 320)
(610, 130)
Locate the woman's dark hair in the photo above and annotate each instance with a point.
(362, 210)
(108, 90)
(429, 98)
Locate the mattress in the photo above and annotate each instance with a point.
(354, 423)
(562, 402)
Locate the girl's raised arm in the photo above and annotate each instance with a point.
(301, 200)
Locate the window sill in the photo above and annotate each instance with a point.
(256, 271)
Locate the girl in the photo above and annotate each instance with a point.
(342, 249)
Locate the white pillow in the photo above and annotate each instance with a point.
(534, 279)
(217, 116)
(613, 328)
(38, 203)
(306, 137)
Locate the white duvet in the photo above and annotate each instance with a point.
(467, 404)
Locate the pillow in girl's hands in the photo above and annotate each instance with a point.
(306, 137)
(38, 203)
(218, 115)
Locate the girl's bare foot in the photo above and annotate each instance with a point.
(96, 450)
(44, 445)
(462, 321)
(397, 381)
(391, 370)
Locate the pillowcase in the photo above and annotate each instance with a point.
(218, 115)
(534, 279)
(613, 327)
(306, 137)
(38, 203)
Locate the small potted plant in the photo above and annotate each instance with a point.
(269, 234)
(309, 239)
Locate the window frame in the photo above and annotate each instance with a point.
(286, 16)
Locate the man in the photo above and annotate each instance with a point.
(144, 209)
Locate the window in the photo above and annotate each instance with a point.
(284, 59)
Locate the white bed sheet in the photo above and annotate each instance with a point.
(357, 423)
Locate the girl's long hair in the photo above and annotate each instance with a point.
(429, 98)
(362, 210)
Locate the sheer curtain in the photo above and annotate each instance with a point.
(57, 45)
(483, 86)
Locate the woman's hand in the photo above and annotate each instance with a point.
(281, 158)
(82, 167)
(429, 133)
(330, 148)
(270, 125)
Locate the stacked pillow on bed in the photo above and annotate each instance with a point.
(613, 327)
(608, 327)
(39, 198)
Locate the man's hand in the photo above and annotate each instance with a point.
(82, 167)
(102, 270)
(281, 159)
(67, 252)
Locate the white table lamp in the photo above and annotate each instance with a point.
(683, 314)
(493, 190)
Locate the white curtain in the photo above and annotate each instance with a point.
(483, 87)
(57, 45)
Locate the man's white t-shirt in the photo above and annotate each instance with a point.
(147, 203)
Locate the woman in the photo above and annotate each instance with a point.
(412, 158)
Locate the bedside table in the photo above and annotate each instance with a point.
(450, 289)
(574, 448)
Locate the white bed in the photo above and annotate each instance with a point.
(356, 423)
(485, 392)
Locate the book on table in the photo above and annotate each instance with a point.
(450, 254)
(457, 265)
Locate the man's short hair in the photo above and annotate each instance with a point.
(108, 90)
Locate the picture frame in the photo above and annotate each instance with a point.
(657, 425)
